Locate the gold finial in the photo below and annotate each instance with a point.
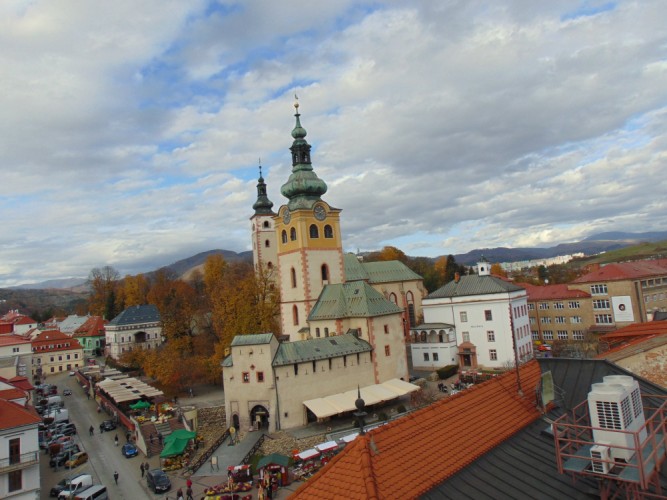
(296, 102)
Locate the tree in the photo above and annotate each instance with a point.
(135, 290)
(103, 284)
(497, 270)
(177, 303)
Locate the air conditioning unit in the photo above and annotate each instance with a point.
(616, 413)
(600, 459)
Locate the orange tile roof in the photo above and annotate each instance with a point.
(93, 327)
(397, 460)
(12, 393)
(638, 329)
(12, 340)
(50, 338)
(626, 270)
(14, 415)
(552, 292)
(20, 382)
(6, 327)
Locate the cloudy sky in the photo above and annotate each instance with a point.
(131, 132)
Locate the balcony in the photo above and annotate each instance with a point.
(24, 460)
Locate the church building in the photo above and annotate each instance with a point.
(344, 322)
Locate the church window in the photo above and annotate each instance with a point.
(293, 274)
(411, 314)
(314, 367)
(266, 223)
(267, 243)
(325, 272)
(387, 350)
(270, 265)
(326, 331)
(358, 358)
(295, 315)
(292, 234)
(296, 369)
(330, 364)
(386, 328)
(328, 231)
(344, 360)
(283, 236)
(314, 232)
(392, 297)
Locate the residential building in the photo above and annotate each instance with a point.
(489, 316)
(55, 352)
(91, 335)
(15, 356)
(137, 327)
(71, 324)
(491, 441)
(557, 312)
(20, 322)
(19, 452)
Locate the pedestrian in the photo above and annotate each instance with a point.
(141, 467)
(91, 430)
(147, 467)
(116, 439)
(188, 494)
(188, 483)
(115, 476)
(179, 494)
(159, 438)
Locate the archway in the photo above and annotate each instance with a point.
(235, 421)
(259, 417)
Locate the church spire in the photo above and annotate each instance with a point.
(303, 188)
(263, 205)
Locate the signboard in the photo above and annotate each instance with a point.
(622, 307)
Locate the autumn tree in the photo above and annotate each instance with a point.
(103, 284)
(135, 290)
(176, 301)
(497, 270)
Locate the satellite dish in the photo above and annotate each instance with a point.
(547, 388)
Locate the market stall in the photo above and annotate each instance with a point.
(177, 449)
(306, 463)
(327, 451)
(274, 467)
(239, 480)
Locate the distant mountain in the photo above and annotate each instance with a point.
(185, 266)
(61, 284)
(633, 237)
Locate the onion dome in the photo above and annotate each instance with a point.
(263, 205)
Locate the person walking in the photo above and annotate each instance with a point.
(179, 494)
(188, 493)
(141, 467)
(116, 439)
(147, 466)
(115, 476)
(91, 430)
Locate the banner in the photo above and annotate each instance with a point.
(622, 308)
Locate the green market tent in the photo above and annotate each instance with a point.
(176, 442)
(273, 459)
(140, 405)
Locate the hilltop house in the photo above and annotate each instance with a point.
(137, 327)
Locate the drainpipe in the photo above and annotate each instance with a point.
(275, 385)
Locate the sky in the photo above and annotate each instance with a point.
(131, 132)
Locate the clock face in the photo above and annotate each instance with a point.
(287, 216)
(320, 212)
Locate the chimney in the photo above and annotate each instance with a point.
(457, 277)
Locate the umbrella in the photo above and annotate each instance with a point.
(140, 405)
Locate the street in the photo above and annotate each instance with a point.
(104, 456)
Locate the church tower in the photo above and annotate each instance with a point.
(310, 249)
(264, 249)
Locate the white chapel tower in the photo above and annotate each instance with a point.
(264, 249)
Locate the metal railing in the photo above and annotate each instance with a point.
(24, 460)
(194, 466)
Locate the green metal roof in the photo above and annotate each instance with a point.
(321, 348)
(252, 339)
(474, 285)
(355, 299)
(377, 272)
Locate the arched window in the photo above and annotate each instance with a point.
(392, 297)
(292, 234)
(293, 274)
(267, 243)
(270, 265)
(295, 315)
(328, 231)
(326, 331)
(317, 332)
(423, 339)
(325, 272)
(314, 232)
(283, 236)
(266, 223)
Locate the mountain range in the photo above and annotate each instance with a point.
(594, 244)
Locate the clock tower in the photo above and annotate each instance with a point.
(264, 249)
(309, 243)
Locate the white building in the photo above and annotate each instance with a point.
(19, 452)
(490, 319)
(137, 327)
(15, 356)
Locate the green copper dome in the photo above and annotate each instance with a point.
(263, 205)
(303, 188)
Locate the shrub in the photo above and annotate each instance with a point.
(447, 371)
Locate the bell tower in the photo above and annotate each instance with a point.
(310, 249)
(264, 249)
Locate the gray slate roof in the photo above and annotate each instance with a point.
(355, 299)
(137, 314)
(252, 339)
(432, 326)
(474, 285)
(524, 466)
(319, 348)
(377, 272)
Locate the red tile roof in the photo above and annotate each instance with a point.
(21, 383)
(638, 329)
(6, 328)
(6, 340)
(12, 393)
(46, 339)
(626, 270)
(93, 327)
(397, 460)
(553, 292)
(14, 415)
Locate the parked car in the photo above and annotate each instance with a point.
(107, 425)
(544, 347)
(158, 481)
(77, 459)
(64, 456)
(64, 484)
(69, 430)
(78, 483)
(67, 392)
(129, 450)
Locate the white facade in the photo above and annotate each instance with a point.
(124, 338)
(15, 356)
(433, 346)
(19, 459)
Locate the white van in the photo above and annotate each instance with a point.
(78, 484)
(96, 492)
(53, 400)
(57, 415)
